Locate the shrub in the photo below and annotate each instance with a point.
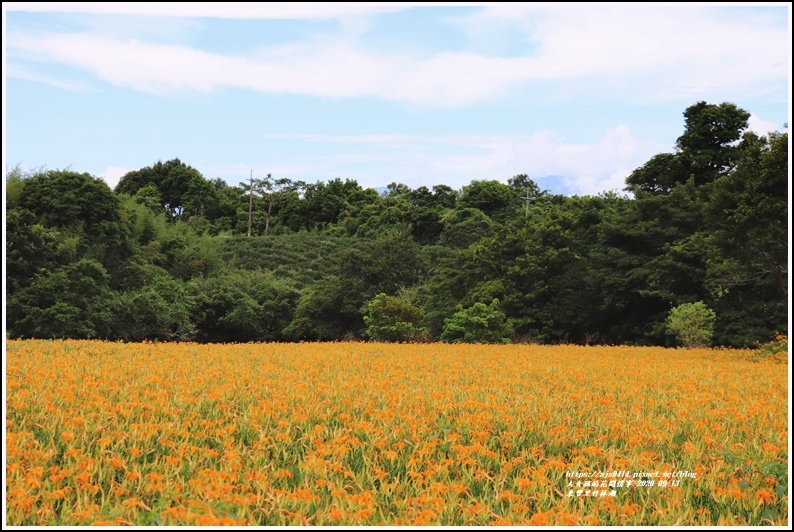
(692, 324)
(479, 323)
(393, 319)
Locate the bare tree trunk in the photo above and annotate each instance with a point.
(269, 208)
(250, 202)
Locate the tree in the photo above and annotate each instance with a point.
(336, 201)
(491, 197)
(463, 227)
(396, 190)
(72, 301)
(31, 248)
(271, 189)
(479, 323)
(230, 213)
(659, 175)
(328, 310)
(149, 196)
(160, 310)
(241, 306)
(748, 215)
(80, 206)
(15, 183)
(708, 142)
(522, 184)
(746, 234)
(393, 319)
(426, 211)
(692, 324)
(706, 150)
(183, 190)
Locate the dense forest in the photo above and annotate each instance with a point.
(172, 255)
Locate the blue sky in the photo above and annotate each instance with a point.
(419, 94)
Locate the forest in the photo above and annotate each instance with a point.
(170, 255)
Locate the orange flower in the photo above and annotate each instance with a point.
(283, 473)
(765, 495)
(539, 519)
(390, 455)
(336, 515)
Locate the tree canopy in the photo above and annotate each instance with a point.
(167, 255)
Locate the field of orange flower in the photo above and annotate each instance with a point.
(385, 434)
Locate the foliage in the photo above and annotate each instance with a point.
(493, 198)
(748, 217)
(72, 301)
(241, 307)
(31, 248)
(81, 206)
(706, 150)
(393, 319)
(692, 324)
(181, 189)
(708, 141)
(167, 255)
(15, 183)
(464, 227)
(479, 323)
(158, 311)
(327, 310)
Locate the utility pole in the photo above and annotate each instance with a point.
(527, 198)
(250, 202)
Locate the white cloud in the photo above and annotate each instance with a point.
(224, 10)
(585, 168)
(113, 174)
(18, 72)
(340, 70)
(761, 127)
(670, 51)
(640, 52)
(418, 160)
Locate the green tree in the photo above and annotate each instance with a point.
(659, 175)
(183, 190)
(708, 141)
(706, 150)
(160, 310)
(328, 310)
(149, 196)
(72, 301)
(748, 215)
(271, 191)
(241, 306)
(479, 323)
(426, 210)
(692, 324)
(231, 211)
(452, 273)
(464, 227)
(79, 206)
(393, 319)
(498, 201)
(522, 184)
(31, 248)
(334, 202)
(15, 182)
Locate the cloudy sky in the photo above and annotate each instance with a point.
(574, 95)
